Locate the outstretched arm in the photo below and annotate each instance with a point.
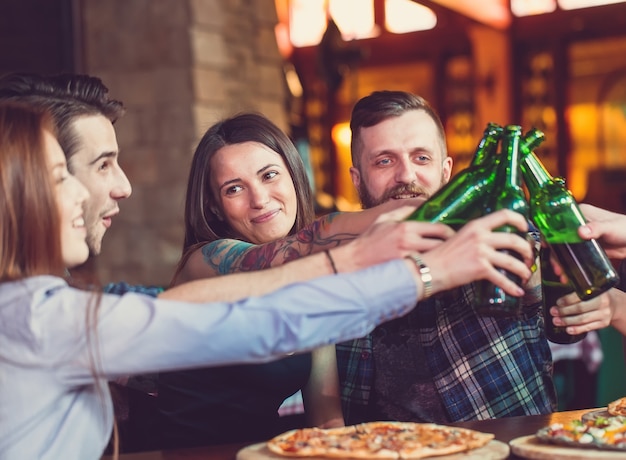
(231, 256)
(473, 252)
(386, 240)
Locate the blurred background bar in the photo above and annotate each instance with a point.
(179, 65)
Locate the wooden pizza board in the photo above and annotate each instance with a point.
(594, 414)
(530, 447)
(495, 450)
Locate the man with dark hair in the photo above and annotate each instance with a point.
(84, 116)
(442, 362)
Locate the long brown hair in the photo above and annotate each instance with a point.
(201, 223)
(27, 201)
(30, 228)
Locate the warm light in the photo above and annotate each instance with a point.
(530, 7)
(307, 22)
(574, 4)
(402, 16)
(582, 118)
(342, 135)
(281, 30)
(548, 116)
(355, 18)
(346, 197)
(293, 81)
(285, 48)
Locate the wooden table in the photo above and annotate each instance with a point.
(505, 430)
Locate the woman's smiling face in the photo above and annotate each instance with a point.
(70, 196)
(255, 191)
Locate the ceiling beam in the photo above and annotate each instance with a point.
(494, 13)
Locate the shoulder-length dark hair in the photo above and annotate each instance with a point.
(201, 223)
(30, 223)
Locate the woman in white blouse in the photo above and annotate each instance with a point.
(59, 345)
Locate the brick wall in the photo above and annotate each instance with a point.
(178, 66)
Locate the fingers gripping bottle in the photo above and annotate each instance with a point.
(556, 214)
(552, 290)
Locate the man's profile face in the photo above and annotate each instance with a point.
(402, 157)
(95, 164)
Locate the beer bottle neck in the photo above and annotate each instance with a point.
(487, 146)
(509, 167)
(535, 174)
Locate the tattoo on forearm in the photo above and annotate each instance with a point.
(228, 256)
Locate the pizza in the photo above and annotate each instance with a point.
(598, 433)
(617, 407)
(378, 440)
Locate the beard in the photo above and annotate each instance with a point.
(408, 190)
(94, 242)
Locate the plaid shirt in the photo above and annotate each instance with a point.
(482, 367)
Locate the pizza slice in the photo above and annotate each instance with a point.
(430, 440)
(600, 433)
(379, 440)
(310, 442)
(617, 407)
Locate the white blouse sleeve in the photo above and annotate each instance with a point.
(139, 334)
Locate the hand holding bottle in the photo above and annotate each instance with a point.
(581, 316)
(609, 228)
(477, 252)
(569, 312)
(556, 213)
(554, 286)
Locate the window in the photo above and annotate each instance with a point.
(355, 19)
(531, 7)
(402, 16)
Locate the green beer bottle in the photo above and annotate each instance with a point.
(556, 214)
(506, 193)
(453, 203)
(551, 287)
(530, 141)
